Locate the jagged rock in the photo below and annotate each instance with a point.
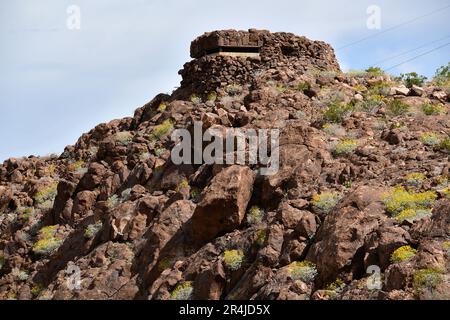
(223, 203)
(341, 237)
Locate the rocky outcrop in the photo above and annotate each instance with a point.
(359, 208)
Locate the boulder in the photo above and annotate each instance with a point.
(223, 203)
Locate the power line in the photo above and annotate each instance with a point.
(418, 56)
(409, 51)
(392, 28)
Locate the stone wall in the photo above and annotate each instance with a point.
(207, 73)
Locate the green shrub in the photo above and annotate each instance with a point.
(415, 179)
(183, 291)
(404, 253)
(92, 230)
(20, 275)
(195, 194)
(195, 99)
(371, 103)
(345, 147)
(427, 279)
(260, 237)
(112, 201)
(337, 112)
(325, 202)
(182, 185)
(305, 271)
(430, 139)
(47, 195)
(255, 215)
(400, 200)
(433, 109)
(162, 129)
(123, 138)
(444, 145)
(375, 71)
(233, 259)
(162, 107)
(334, 129)
(78, 167)
(442, 76)
(397, 108)
(445, 246)
(412, 78)
(48, 241)
(233, 89)
(303, 86)
(212, 97)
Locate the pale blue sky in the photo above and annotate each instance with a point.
(56, 83)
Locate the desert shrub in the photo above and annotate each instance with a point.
(166, 263)
(430, 139)
(370, 103)
(397, 108)
(356, 73)
(78, 167)
(382, 88)
(412, 78)
(260, 237)
(162, 107)
(334, 129)
(162, 129)
(444, 145)
(183, 291)
(445, 246)
(195, 99)
(415, 179)
(345, 147)
(159, 151)
(427, 279)
(48, 241)
(233, 89)
(412, 215)
(51, 169)
(144, 156)
(337, 112)
(182, 185)
(20, 275)
(281, 88)
(305, 271)
(36, 290)
(433, 109)
(47, 195)
(212, 97)
(401, 202)
(303, 86)
(375, 71)
(442, 76)
(92, 230)
(404, 253)
(123, 138)
(24, 213)
(195, 194)
(255, 215)
(233, 259)
(112, 201)
(325, 202)
(446, 192)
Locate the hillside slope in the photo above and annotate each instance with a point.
(363, 187)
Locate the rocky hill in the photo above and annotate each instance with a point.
(359, 209)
